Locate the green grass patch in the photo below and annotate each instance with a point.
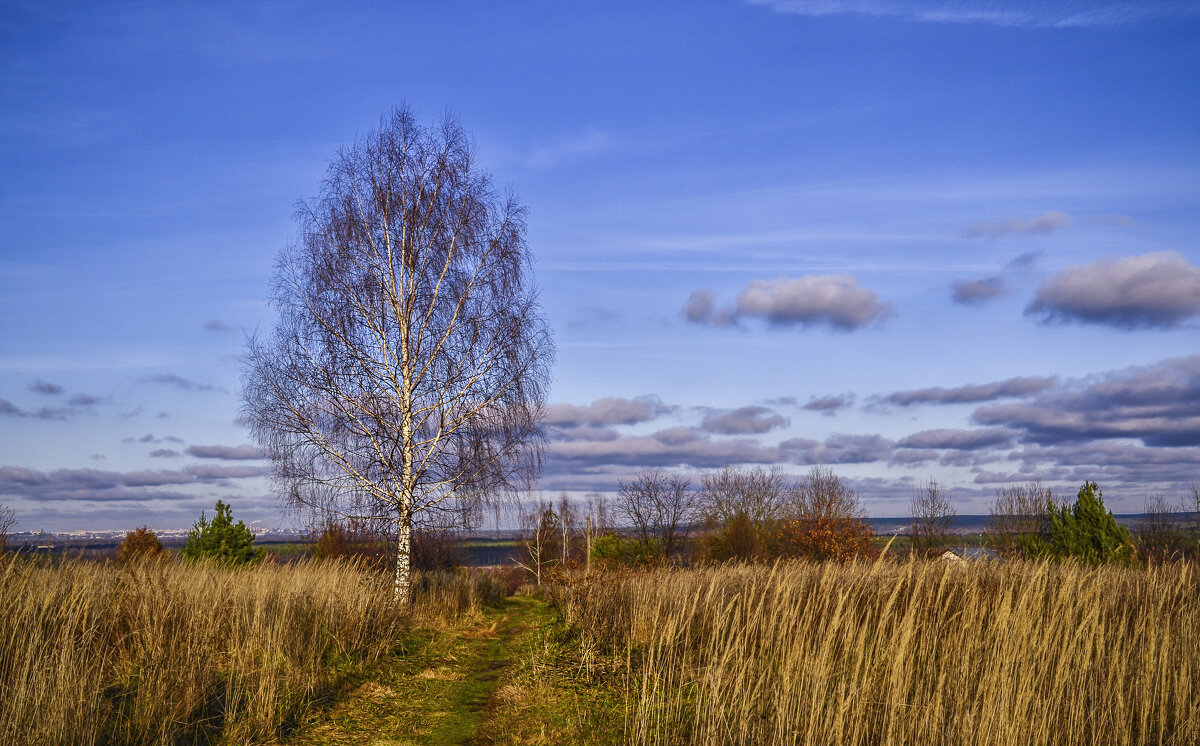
(506, 675)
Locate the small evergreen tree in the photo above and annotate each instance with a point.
(1088, 532)
(221, 539)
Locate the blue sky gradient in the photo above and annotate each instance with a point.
(777, 218)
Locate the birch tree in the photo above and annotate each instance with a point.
(405, 378)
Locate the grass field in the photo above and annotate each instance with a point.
(915, 653)
(869, 653)
(158, 652)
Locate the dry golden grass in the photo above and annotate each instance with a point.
(919, 653)
(158, 652)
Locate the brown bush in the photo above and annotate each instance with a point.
(142, 543)
(823, 538)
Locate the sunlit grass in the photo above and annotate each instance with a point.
(159, 652)
(918, 653)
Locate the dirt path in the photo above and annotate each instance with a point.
(441, 689)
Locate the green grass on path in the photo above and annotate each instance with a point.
(502, 677)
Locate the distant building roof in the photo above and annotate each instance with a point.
(969, 553)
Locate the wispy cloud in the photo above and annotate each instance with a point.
(80, 404)
(828, 405)
(1016, 13)
(962, 440)
(974, 392)
(45, 387)
(179, 382)
(107, 486)
(1048, 222)
(742, 421)
(610, 410)
(1158, 404)
(556, 152)
(978, 292)
(587, 317)
(216, 325)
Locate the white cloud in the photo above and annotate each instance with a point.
(837, 301)
(1151, 290)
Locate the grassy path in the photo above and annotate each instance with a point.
(492, 680)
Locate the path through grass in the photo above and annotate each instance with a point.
(502, 677)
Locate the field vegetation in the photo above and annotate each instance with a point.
(750, 611)
(158, 652)
(899, 653)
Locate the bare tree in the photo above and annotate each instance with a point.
(566, 520)
(930, 512)
(1159, 531)
(539, 541)
(597, 523)
(8, 519)
(757, 493)
(659, 508)
(407, 370)
(598, 508)
(1019, 510)
(823, 494)
(1192, 504)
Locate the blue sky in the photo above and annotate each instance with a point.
(907, 240)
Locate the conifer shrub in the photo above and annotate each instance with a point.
(221, 539)
(1084, 530)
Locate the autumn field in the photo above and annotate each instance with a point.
(919, 652)
(161, 652)
(890, 651)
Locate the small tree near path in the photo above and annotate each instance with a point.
(539, 542)
(404, 382)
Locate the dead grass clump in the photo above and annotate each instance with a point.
(442, 597)
(926, 652)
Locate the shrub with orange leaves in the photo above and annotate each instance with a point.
(823, 538)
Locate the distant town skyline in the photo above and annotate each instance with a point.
(906, 240)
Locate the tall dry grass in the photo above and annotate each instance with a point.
(921, 653)
(158, 653)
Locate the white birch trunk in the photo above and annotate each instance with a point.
(401, 590)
